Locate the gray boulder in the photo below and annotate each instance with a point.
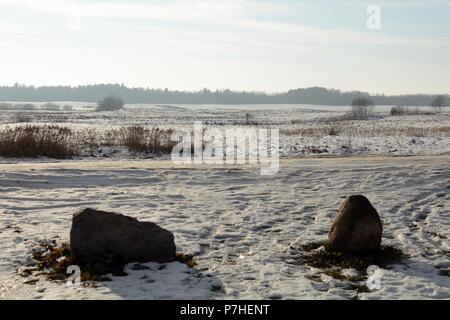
(106, 236)
(357, 227)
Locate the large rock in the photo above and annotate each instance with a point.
(357, 227)
(106, 236)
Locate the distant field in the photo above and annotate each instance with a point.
(304, 129)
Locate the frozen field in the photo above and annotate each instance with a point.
(304, 130)
(242, 227)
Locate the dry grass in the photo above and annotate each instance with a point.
(328, 259)
(52, 260)
(186, 259)
(140, 139)
(350, 129)
(60, 142)
(34, 141)
(332, 263)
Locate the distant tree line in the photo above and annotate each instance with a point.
(94, 93)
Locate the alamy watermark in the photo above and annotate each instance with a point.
(374, 19)
(216, 146)
(373, 281)
(74, 278)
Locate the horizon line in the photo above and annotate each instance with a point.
(224, 89)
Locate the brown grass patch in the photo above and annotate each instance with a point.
(53, 260)
(140, 139)
(60, 142)
(315, 256)
(34, 141)
(332, 262)
(186, 259)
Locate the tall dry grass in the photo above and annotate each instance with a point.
(140, 139)
(34, 141)
(61, 142)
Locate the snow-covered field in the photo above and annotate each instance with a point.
(240, 226)
(243, 228)
(304, 129)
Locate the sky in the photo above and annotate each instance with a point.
(391, 47)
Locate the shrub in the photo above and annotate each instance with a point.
(35, 141)
(398, 111)
(140, 139)
(110, 103)
(362, 108)
(67, 107)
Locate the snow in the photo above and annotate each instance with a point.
(304, 129)
(239, 225)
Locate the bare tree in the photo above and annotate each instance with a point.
(437, 103)
(362, 108)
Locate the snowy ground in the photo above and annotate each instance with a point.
(304, 130)
(240, 225)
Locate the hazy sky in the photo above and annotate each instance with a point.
(237, 44)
